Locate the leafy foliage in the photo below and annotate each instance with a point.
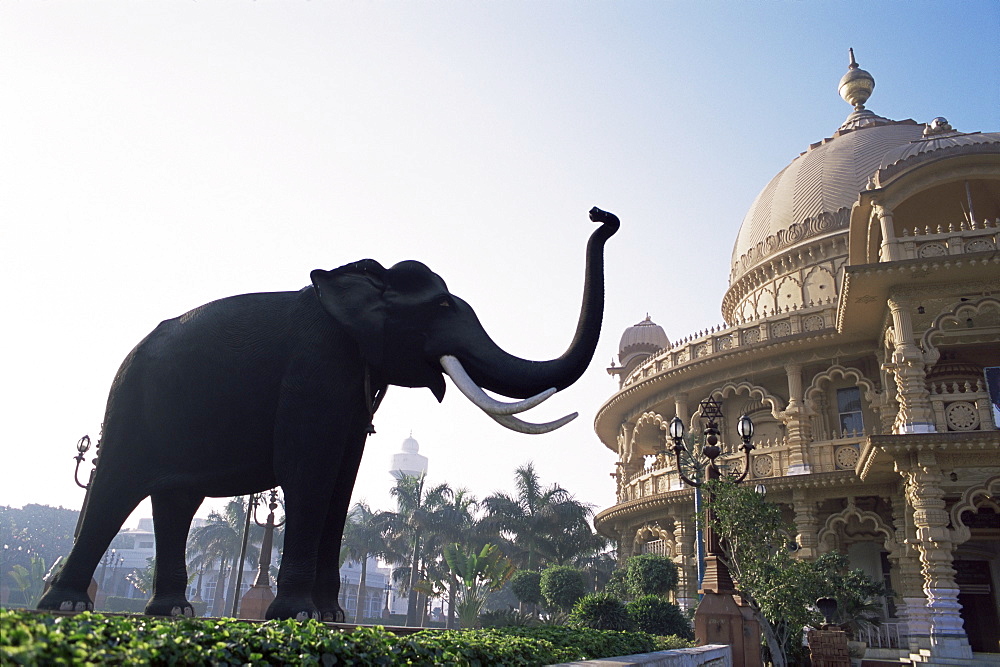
(658, 616)
(601, 611)
(93, 639)
(562, 586)
(781, 589)
(527, 586)
(30, 581)
(34, 530)
(650, 574)
(479, 575)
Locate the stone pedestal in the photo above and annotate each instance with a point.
(721, 619)
(256, 601)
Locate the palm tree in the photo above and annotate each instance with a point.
(411, 526)
(364, 537)
(457, 523)
(539, 525)
(220, 540)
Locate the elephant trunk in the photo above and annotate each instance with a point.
(492, 368)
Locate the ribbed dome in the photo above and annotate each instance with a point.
(812, 197)
(646, 336)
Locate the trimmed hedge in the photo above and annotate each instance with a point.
(32, 638)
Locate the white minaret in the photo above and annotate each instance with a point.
(409, 461)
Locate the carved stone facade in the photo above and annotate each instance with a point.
(857, 341)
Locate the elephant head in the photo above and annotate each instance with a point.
(411, 330)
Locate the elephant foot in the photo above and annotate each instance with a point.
(332, 615)
(169, 606)
(301, 609)
(65, 599)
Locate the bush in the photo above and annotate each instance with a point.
(658, 616)
(36, 638)
(601, 611)
(506, 618)
(527, 586)
(562, 586)
(649, 574)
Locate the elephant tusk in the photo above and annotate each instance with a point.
(491, 406)
(515, 424)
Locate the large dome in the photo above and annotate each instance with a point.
(812, 197)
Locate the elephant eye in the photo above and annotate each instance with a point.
(444, 303)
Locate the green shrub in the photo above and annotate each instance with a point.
(601, 611)
(649, 574)
(38, 638)
(562, 586)
(506, 618)
(658, 616)
(527, 586)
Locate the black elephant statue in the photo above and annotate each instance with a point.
(279, 389)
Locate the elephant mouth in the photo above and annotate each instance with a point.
(501, 412)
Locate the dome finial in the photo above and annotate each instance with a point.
(857, 85)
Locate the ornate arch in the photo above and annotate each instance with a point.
(649, 531)
(829, 536)
(648, 421)
(973, 497)
(836, 372)
(751, 390)
(954, 319)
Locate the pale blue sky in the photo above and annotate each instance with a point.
(158, 155)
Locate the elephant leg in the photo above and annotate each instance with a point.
(172, 514)
(108, 507)
(327, 588)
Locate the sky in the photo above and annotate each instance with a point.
(158, 155)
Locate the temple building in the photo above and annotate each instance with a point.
(862, 337)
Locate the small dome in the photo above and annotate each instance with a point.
(410, 445)
(646, 336)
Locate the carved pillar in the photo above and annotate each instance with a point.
(681, 408)
(806, 525)
(796, 420)
(915, 414)
(934, 545)
(889, 250)
(686, 558)
(907, 581)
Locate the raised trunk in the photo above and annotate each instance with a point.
(494, 369)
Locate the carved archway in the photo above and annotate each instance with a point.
(815, 394)
(832, 536)
(964, 319)
(652, 531)
(971, 500)
(649, 434)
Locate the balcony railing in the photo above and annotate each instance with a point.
(951, 239)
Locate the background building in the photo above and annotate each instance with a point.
(862, 314)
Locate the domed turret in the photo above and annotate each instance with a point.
(409, 461)
(639, 342)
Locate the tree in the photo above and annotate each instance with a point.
(456, 522)
(781, 590)
(410, 527)
(364, 537)
(34, 530)
(650, 574)
(601, 611)
(220, 540)
(30, 581)
(539, 525)
(562, 586)
(479, 573)
(527, 587)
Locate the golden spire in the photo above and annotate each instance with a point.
(857, 85)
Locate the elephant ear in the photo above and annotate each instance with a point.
(352, 295)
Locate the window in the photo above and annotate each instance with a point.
(849, 409)
(146, 545)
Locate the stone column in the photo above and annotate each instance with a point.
(681, 408)
(796, 419)
(907, 581)
(915, 414)
(889, 250)
(933, 541)
(686, 558)
(806, 525)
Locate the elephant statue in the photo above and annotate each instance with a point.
(279, 389)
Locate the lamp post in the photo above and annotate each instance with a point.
(260, 596)
(719, 618)
(82, 446)
(385, 612)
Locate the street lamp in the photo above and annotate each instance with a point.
(260, 596)
(385, 612)
(718, 619)
(109, 557)
(82, 446)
